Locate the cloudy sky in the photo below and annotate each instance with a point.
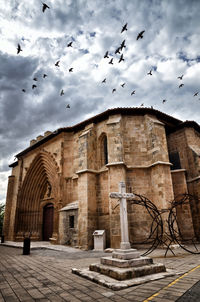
(170, 48)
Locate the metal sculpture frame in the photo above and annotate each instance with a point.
(157, 236)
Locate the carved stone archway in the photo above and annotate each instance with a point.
(40, 186)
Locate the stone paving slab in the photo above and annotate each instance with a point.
(45, 275)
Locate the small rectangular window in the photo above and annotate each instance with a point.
(71, 222)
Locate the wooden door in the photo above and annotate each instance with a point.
(48, 211)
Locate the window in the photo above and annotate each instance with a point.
(71, 222)
(175, 160)
(105, 150)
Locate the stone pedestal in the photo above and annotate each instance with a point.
(122, 269)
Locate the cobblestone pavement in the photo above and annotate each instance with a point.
(45, 275)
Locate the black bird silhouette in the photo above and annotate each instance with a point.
(111, 61)
(118, 50)
(164, 101)
(62, 92)
(24, 90)
(19, 48)
(133, 92)
(140, 35)
(181, 85)
(71, 69)
(34, 79)
(44, 7)
(106, 55)
(113, 90)
(124, 27)
(196, 93)
(34, 86)
(181, 77)
(69, 44)
(104, 81)
(123, 85)
(68, 106)
(142, 105)
(44, 75)
(57, 64)
(150, 72)
(123, 44)
(121, 58)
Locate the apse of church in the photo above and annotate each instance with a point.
(59, 187)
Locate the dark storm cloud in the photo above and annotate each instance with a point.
(170, 47)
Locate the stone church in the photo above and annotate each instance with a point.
(59, 187)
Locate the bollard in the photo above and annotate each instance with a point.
(2, 238)
(26, 247)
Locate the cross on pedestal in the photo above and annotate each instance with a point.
(123, 196)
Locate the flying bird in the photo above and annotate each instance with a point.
(57, 64)
(123, 44)
(71, 69)
(181, 85)
(62, 92)
(44, 75)
(24, 90)
(164, 101)
(123, 85)
(18, 49)
(44, 7)
(181, 77)
(68, 106)
(118, 50)
(150, 72)
(69, 44)
(140, 35)
(142, 105)
(121, 58)
(113, 90)
(104, 81)
(34, 86)
(106, 55)
(133, 92)
(196, 93)
(34, 79)
(111, 61)
(124, 27)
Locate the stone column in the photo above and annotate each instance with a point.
(9, 199)
(116, 174)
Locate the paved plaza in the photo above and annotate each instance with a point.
(45, 275)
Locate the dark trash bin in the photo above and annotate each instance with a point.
(26, 246)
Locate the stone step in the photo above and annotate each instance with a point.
(125, 254)
(119, 273)
(126, 263)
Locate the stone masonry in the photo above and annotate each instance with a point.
(155, 154)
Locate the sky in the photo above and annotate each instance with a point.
(170, 48)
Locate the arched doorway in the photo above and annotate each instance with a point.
(47, 230)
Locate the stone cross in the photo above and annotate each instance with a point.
(123, 196)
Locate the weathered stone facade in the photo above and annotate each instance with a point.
(82, 164)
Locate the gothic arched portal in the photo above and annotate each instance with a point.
(39, 188)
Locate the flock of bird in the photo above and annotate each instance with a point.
(119, 50)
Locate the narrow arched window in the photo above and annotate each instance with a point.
(104, 150)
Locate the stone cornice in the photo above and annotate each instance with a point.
(178, 170)
(194, 179)
(118, 163)
(151, 165)
(87, 171)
